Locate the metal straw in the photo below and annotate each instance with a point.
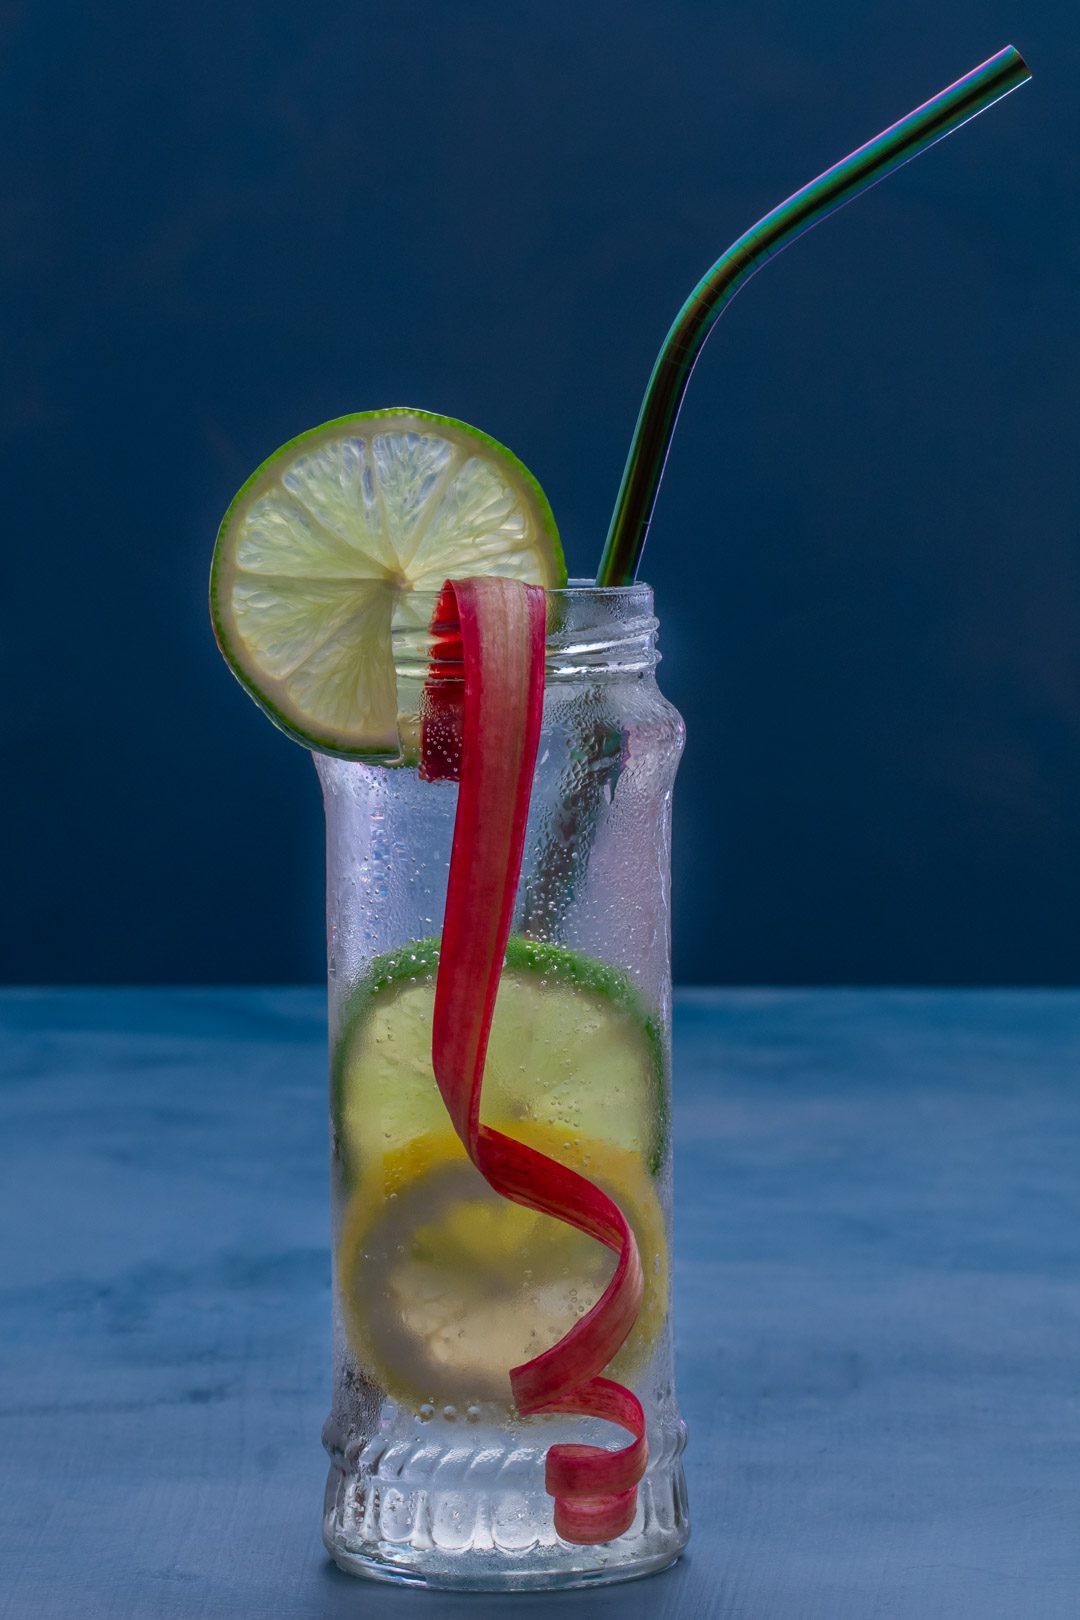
(649, 447)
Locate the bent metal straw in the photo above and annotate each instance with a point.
(846, 180)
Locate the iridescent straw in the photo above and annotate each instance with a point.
(649, 447)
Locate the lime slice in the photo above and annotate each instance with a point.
(319, 552)
(445, 1286)
(572, 1045)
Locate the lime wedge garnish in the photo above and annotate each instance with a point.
(445, 1285)
(572, 1046)
(319, 552)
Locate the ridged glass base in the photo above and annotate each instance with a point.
(460, 1519)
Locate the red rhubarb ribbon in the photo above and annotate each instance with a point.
(484, 732)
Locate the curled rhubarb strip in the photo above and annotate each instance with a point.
(488, 741)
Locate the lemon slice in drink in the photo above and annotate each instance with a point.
(319, 552)
(572, 1046)
(445, 1285)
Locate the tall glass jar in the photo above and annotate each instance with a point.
(439, 1286)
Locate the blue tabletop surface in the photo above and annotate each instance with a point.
(878, 1299)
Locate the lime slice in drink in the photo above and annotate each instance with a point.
(445, 1285)
(319, 552)
(572, 1046)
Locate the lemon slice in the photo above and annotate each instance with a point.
(572, 1045)
(319, 553)
(445, 1285)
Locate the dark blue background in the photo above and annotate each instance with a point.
(223, 224)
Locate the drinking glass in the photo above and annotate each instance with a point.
(440, 1286)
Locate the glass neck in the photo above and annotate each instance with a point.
(592, 633)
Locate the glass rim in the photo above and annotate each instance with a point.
(589, 587)
(575, 590)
